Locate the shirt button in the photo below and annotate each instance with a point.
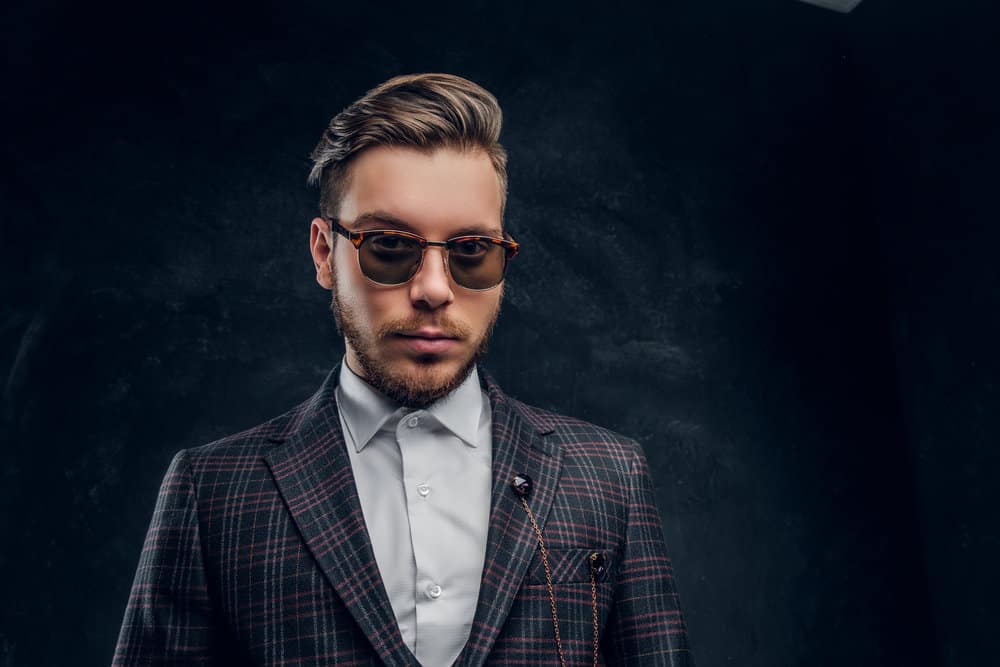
(423, 490)
(413, 422)
(434, 592)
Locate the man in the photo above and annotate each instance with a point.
(409, 512)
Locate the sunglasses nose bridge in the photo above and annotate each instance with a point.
(429, 283)
(441, 248)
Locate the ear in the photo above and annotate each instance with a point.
(320, 246)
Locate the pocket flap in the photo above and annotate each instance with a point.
(568, 566)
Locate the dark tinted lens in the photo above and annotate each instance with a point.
(389, 259)
(476, 263)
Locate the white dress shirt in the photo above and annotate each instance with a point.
(424, 480)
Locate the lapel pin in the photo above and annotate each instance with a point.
(521, 485)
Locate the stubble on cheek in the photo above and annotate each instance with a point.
(415, 387)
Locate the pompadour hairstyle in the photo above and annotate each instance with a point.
(420, 111)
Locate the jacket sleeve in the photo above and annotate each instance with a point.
(645, 626)
(168, 620)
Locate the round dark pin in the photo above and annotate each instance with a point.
(521, 485)
(598, 562)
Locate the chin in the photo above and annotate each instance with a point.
(416, 382)
(430, 372)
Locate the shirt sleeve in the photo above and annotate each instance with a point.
(645, 626)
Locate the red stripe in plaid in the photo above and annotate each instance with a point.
(257, 552)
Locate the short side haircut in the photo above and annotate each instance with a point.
(420, 111)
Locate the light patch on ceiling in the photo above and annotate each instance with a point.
(843, 6)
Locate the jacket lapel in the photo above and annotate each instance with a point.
(313, 474)
(518, 449)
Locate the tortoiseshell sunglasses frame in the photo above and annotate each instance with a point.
(511, 248)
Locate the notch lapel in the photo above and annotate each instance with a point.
(518, 448)
(313, 474)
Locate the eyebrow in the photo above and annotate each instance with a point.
(384, 218)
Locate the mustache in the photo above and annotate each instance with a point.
(448, 326)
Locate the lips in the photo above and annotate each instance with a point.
(427, 341)
(429, 334)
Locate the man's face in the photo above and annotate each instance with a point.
(417, 341)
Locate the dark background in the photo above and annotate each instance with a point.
(759, 237)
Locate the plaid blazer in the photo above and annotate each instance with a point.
(257, 553)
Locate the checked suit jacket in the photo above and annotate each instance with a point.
(258, 554)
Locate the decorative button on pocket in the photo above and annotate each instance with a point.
(598, 564)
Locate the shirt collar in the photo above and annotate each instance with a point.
(365, 410)
(459, 411)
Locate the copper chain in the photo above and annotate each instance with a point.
(593, 598)
(552, 595)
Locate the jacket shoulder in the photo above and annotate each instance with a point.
(576, 436)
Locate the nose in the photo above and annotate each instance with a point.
(431, 287)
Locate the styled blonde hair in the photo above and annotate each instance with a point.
(420, 111)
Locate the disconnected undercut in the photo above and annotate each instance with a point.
(420, 111)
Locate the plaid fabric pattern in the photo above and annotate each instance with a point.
(257, 553)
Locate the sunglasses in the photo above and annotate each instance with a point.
(392, 257)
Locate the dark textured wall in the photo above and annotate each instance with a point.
(929, 109)
(759, 237)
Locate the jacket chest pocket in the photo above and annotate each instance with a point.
(571, 566)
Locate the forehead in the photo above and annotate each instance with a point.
(435, 192)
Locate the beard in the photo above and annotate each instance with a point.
(418, 389)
